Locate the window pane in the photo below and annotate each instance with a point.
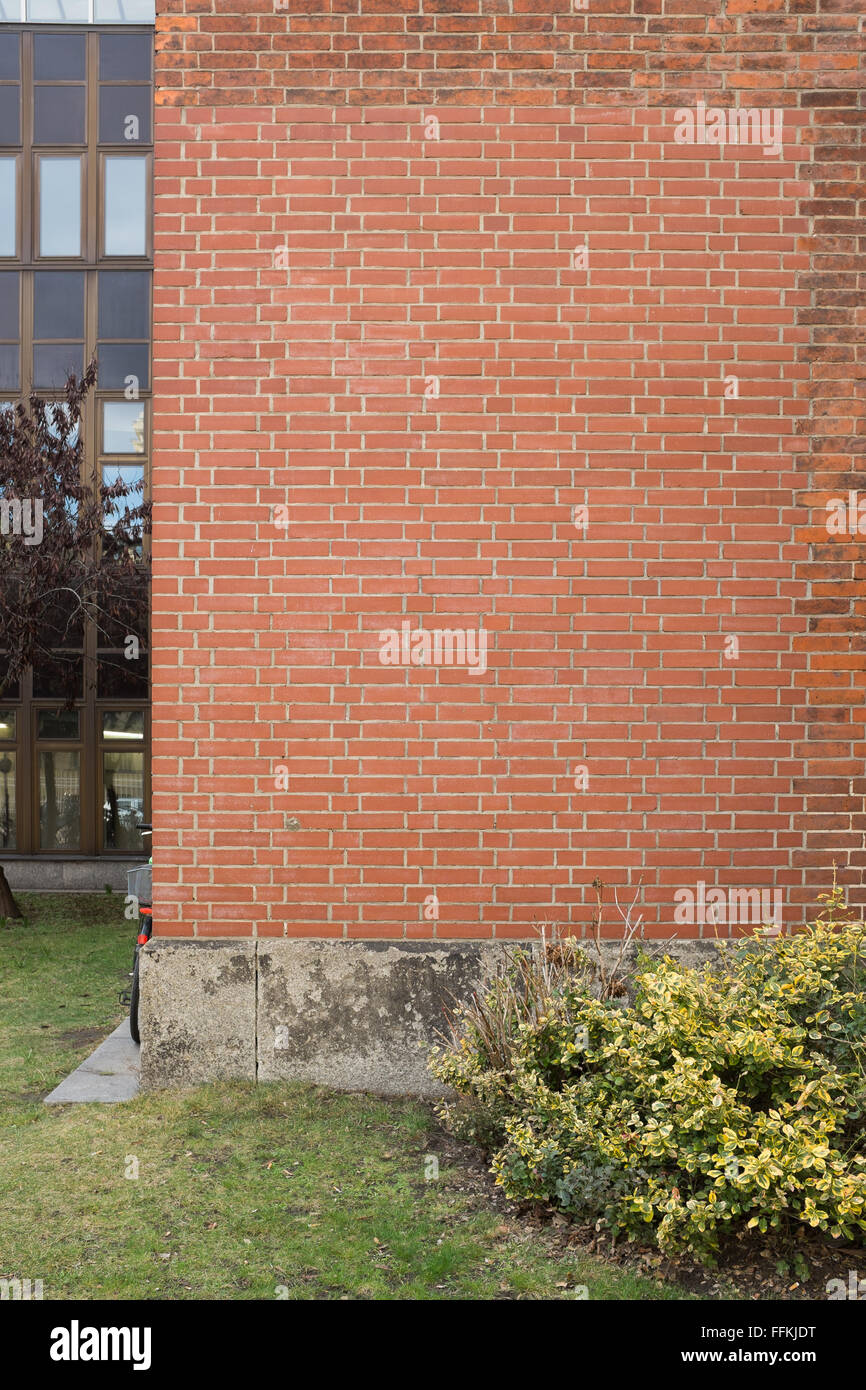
(7, 799)
(124, 115)
(125, 57)
(120, 723)
(59, 679)
(132, 475)
(10, 122)
(12, 690)
(123, 799)
(10, 367)
(58, 304)
(58, 115)
(54, 363)
(7, 207)
(124, 303)
(59, 799)
(57, 11)
(119, 678)
(57, 723)
(125, 11)
(122, 430)
(9, 51)
(123, 364)
(60, 206)
(9, 304)
(58, 57)
(10, 10)
(125, 206)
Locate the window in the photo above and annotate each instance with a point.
(77, 11)
(76, 128)
(8, 206)
(58, 185)
(126, 202)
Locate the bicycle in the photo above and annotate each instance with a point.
(139, 883)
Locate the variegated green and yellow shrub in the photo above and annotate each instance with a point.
(726, 1098)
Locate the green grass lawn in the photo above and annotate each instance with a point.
(233, 1191)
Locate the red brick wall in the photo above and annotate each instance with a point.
(319, 261)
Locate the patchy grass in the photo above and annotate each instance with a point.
(235, 1191)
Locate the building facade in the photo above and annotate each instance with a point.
(506, 442)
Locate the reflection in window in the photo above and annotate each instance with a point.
(122, 723)
(132, 475)
(123, 798)
(8, 204)
(59, 206)
(54, 363)
(59, 677)
(121, 676)
(57, 723)
(122, 428)
(124, 11)
(7, 724)
(59, 798)
(57, 11)
(125, 206)
(7, 798)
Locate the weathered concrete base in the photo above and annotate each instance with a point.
(353, 1015)
(197, 1012)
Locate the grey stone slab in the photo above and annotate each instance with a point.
(197, 1015)
(68, 875)
(361, 1015)
(109, 1074)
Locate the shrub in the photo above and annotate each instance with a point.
(729, 1098)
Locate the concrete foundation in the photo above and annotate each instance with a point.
(353, 1015)
(46, 875)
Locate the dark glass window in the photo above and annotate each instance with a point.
(125, 57)
(58, 115)
(59, 57)
(9, 303)
(122, 365)
(55, 363)
(10, 61)
(119, 679)
(58, 304)
(10, 114)
(124, 115)
(10, 367)
(124, 303)
(57, 723)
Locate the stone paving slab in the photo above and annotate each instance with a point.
(109, 1074)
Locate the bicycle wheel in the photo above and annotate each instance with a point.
(133, 1002)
